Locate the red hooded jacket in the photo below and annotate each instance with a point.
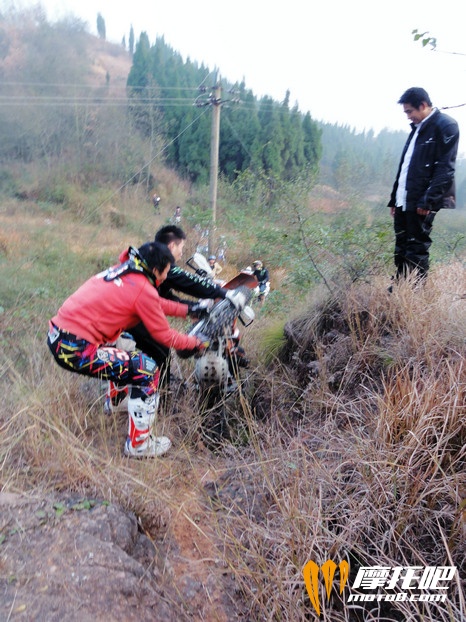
(99, 311)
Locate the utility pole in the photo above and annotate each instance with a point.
(215, 101)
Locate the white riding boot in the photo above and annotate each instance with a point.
(116, 399)
(140, 442)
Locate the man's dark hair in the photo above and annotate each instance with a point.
(156, 255)
(170, 233)
(415, 96)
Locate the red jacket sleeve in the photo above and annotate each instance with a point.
(152, 310)
(173, 308)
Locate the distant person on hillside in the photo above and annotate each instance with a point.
(177, 215)
(425, 181)
(262, 275)
(214, 266)
(93, 317)
(156, 201)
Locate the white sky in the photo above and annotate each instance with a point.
(344, 61)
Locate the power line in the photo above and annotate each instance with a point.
(101, 86)
(166, 102)
(77, 101)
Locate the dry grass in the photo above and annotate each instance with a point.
(363, 455)
(352, 446)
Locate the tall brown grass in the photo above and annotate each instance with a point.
(363, 454)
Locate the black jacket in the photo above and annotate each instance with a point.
(430, 183)
(189, 283)
(262, 275)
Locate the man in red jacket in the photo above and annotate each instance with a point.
(97, 313)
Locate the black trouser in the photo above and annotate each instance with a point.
(156, 351)
(412, 242)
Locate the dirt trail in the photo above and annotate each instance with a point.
(197, 569)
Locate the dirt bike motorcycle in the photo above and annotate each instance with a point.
(217, 370)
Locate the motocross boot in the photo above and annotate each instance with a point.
(115, 399)
(238, 356)
(140, 441)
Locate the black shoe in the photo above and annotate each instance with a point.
(238, 356)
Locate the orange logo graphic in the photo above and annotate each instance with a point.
(311, 579)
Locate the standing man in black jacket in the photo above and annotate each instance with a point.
(425, 181)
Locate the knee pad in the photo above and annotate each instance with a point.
(143, 364)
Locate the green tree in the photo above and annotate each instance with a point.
(140, 72)
(139, 82)
(101, 27)
(272, 136)
(131, 40)
(239, 132)
(312, 145)
(293, 145)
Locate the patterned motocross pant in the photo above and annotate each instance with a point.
(104, 362)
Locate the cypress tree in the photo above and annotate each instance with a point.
(101, 31)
